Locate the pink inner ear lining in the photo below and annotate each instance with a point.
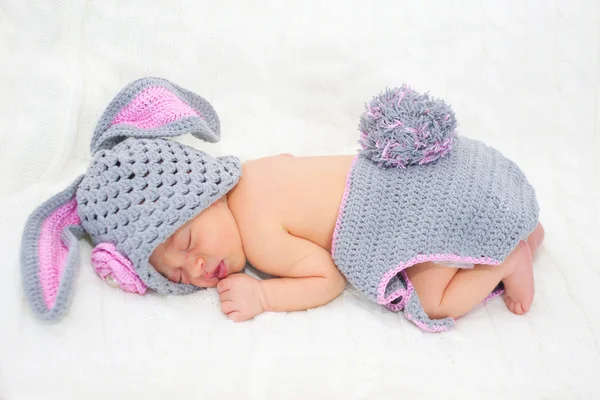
(154, 107)
(52, 252)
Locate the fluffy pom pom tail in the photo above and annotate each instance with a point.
(401, 127)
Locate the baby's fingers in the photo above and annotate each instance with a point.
(223, 285)
(228, 307)
(237, 316)
(226, 295)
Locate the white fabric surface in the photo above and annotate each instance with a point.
(292, 77)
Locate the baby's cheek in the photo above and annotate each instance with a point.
(163, 272)
(158, 261)
(154, 261)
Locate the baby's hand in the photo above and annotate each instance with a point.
(241, 297)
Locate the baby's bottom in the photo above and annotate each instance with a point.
(450, 292)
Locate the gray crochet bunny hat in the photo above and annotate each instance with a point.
(138, 190)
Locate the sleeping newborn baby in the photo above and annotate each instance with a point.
(420, 220)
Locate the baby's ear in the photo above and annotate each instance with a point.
(153, 108)
(50, 253)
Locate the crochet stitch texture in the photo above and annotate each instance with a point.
(140, 192)
(140, 187)
(470, 205)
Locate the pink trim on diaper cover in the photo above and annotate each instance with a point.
(493, 295)
(154, 107)
(397, 307)
(51, 250)
(381, 299)
(409, 291)
(406, 294)
(342, 206)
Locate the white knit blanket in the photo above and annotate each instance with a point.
(288, 76)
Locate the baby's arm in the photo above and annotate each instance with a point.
(309, 278)
(321, 286)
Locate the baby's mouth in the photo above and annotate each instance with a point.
(220, 271)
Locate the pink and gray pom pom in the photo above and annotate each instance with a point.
(401, 127)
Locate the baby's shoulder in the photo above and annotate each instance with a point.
(256, 194)
(262, 176)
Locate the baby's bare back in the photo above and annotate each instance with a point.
(286, 209)
(303, 194)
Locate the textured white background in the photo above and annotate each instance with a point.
(292, 77)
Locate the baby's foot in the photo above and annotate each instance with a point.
(518, 285)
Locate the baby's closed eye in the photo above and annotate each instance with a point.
(189, 243)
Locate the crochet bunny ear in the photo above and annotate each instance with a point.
(155, 107)
(50, 253)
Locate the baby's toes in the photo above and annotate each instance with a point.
(526, 305)
(518, 308)
(512, 305)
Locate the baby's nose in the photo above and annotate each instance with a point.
(196, 268)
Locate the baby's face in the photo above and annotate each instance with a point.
(203, 250)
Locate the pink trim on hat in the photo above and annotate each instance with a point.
(51, 250)
(154, 107)
(110, 264)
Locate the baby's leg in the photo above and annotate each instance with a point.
(518, 286)
(535, 239)
(448, 292)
